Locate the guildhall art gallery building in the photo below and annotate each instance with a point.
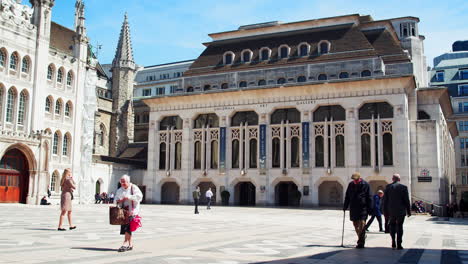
(283, 114)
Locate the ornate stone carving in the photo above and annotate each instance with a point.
(386, 126)
(365, 128)
(275, 131)
(339, 129)
(253, 132)
(235, 133)
(319, 130)
(295, 131)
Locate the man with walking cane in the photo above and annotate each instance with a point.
(359, 199)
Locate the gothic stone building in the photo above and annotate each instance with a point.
(283, 114)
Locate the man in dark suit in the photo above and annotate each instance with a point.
(359, 199)
(396, 206)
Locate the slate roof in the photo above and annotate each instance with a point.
(61, 38)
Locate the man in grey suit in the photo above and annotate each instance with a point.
(396, 206)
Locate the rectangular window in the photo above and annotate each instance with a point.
(173, 88)
(145, 118)
(147, 92)
(439, 76)
(463, 164)
(465, 107)
(460, 126)
(463, 89)
(460, 107)
(462, 143)
(160, 91)
(137, 119)
(463, 74)
(464, 179)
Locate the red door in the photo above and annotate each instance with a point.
(13, 177)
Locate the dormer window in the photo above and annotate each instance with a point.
(463, 74)
(246, 56)
(324, 47)
(344, 75)
(439, 77)
(408, 29)
(283, 51)
(228, 58)
(365, 73)
(265, 54)
(304, 49)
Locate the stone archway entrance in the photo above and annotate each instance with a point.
(287, 194)
(330, 194)
(244, 194)
(170, 193)
(14, 177)
(203, 188)
(377, 185)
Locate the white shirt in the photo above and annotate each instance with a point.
(134, 199)
(209, 194)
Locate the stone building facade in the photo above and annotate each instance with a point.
(283, 113)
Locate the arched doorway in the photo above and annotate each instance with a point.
(203, 188)
(287, 194)
(170, 193)
(14, 177)
(244, 194)
(377, 185)
(330, 194)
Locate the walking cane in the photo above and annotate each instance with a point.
(342, 234)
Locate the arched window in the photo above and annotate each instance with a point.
(365, 150)
(60, 75)
(25, 65)
(22, 107)
(330, 112)
(295, 152)
(204, 120)
(261, 82)
(265, 54)
(178, 156)
(50, 72)
(244, 117)
(54, 180)
(228, 58)
(162, 156)
(319, 152)
(387, 149)
(235, 154)
(344, 75)
(339, 151)
(281, 81)
(276, 154)
(171, 121)
(243, 84)
(246, 56)
(324, 47)
(376, 110)
(2, 57)
(68, 108)
(214, 155)
(253, 153)
(322, 77)
(14, 61)
(207, 87)
(301, 78)
(224, 86)
(48, 105)
(289, 114)
(284, 52)
(190, 89)
(69, 78)
(365, 73)
(10, 105)
(55, 143)
(303, 50)
(66, 142)
(58, 107)
(197, 156)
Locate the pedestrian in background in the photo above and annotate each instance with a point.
(208, 196)
(377, 211)
(359, 199)
(128, 196)
(397, 206)
(68, 185)
(196, 198)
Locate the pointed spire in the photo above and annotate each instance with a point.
(124, 53)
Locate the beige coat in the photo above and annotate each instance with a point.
(65, 200)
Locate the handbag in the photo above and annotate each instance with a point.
(118, 216)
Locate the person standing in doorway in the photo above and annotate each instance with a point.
(68, 185)
(376, 212)
(196, 198)
(208, 196)
(359, 199)
(396, 206)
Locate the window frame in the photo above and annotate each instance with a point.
(299, 49)
(319, 47)
(233, 57)
(268, 54)
(250, 55)
(288, 51)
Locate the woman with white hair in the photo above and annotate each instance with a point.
(128, 197)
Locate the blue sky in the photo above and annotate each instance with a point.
(173, 30)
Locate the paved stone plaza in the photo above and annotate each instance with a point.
(223, 235)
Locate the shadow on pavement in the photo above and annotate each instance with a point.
(42, 229)
(95, 249)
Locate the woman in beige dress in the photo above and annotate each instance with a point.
(68, 185)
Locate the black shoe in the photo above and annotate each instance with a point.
(122, 249)
(129, 248)
(399, 247)
(381, 230)
(72, 227)
(360, 246)
(61, 229)
(393, 245)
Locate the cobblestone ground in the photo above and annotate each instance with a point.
(223, 235)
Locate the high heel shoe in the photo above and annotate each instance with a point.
(61, 229)
(72, 227)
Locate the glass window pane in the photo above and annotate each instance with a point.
(214, 154)
(162, 156)
(235, 154)
(339, 151)
(295, 152)
(253, 154)
(178, 156)
(276, 155)
(387, 149)
(198, 155)
(365, 150)
(319, 152)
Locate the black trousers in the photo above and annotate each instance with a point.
(196, 205)
(379, 219)
(396, 228)
(208, 199)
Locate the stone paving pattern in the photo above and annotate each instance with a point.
(223, 235)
